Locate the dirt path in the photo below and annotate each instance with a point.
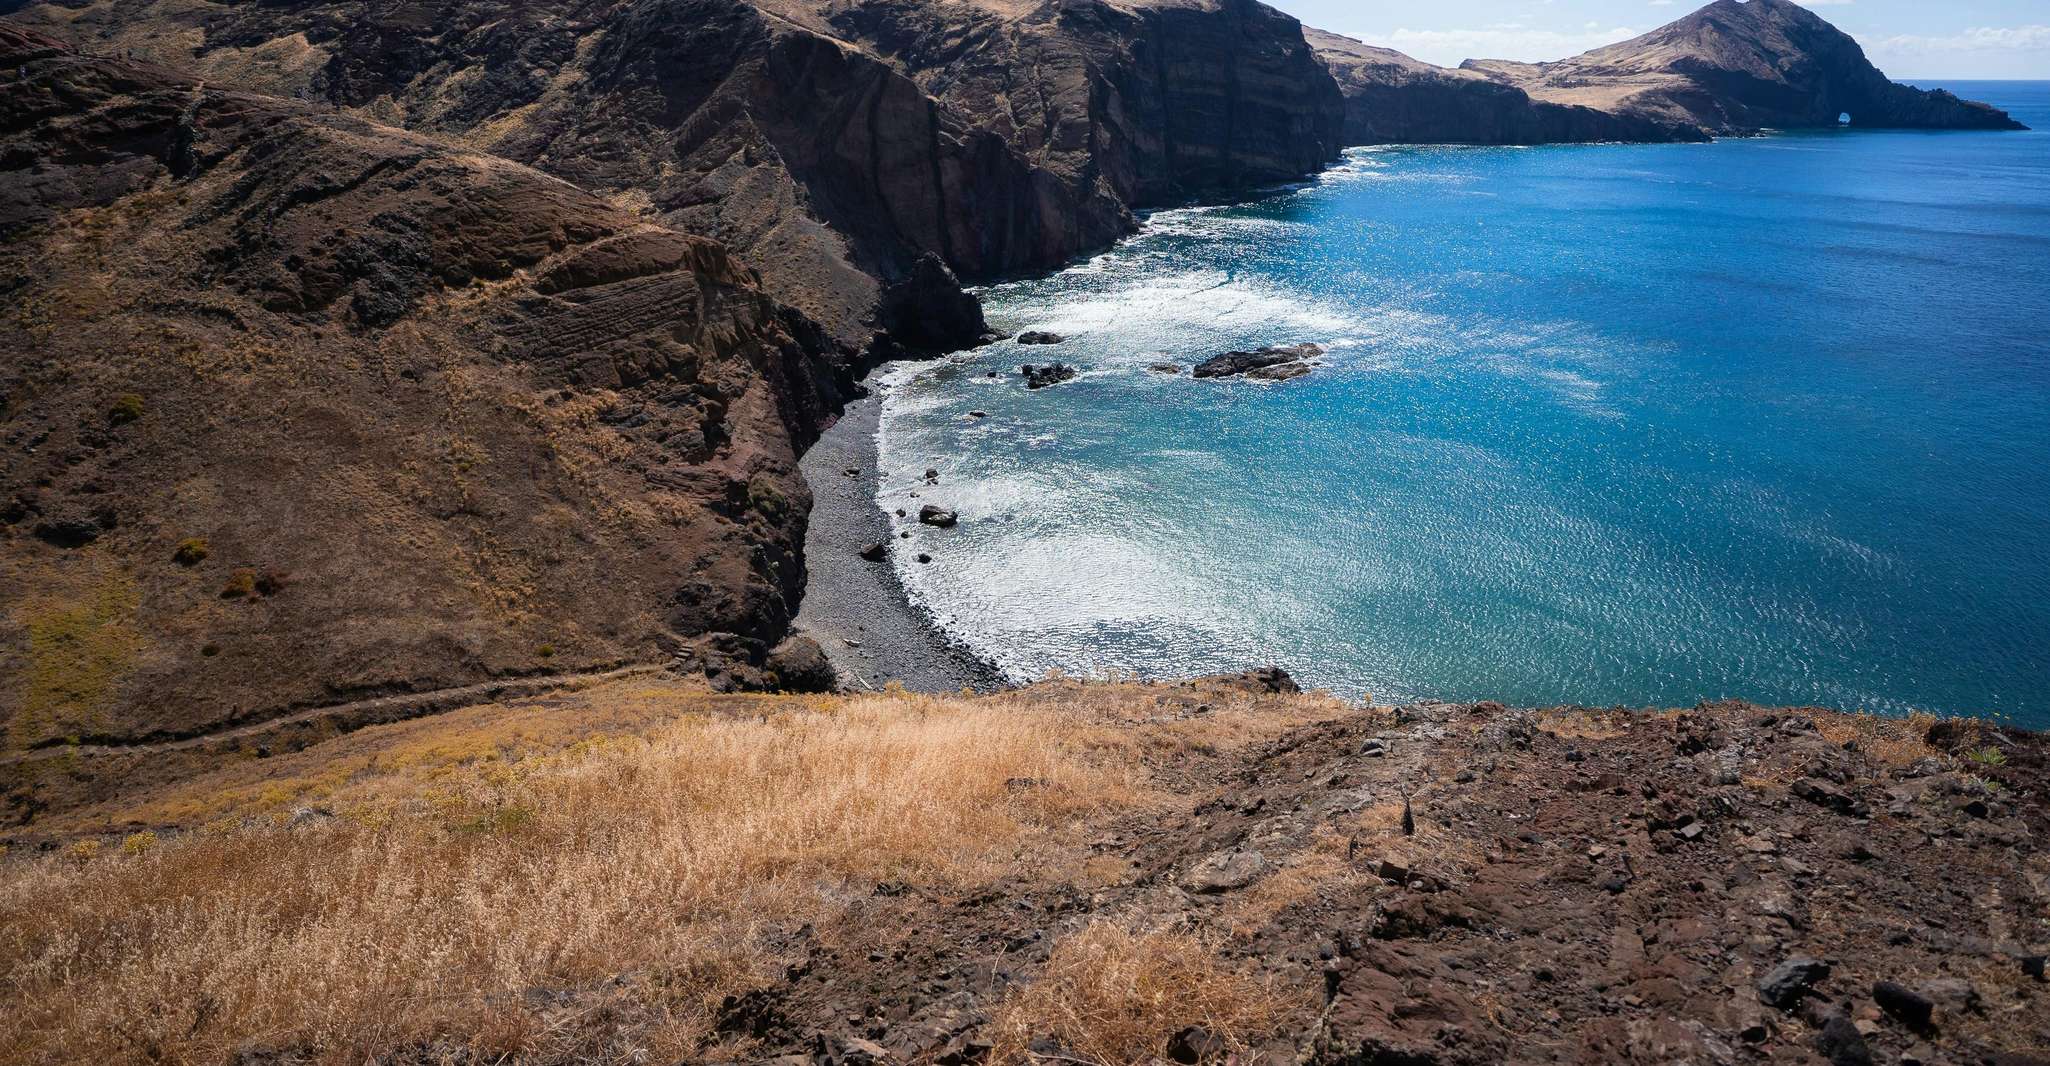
(364, 712)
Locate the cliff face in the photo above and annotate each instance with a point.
(835, 147)
(1739, 66)
(1153, 101)
(298, 407)
(1391, 98)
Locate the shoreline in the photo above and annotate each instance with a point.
(858, 610)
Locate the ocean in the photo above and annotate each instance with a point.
(1767, 419)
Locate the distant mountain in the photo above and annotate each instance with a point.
(1735, 66)
(1738, 66)
(1391, 98)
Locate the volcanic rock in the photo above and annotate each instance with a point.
(1784, 985)
(1039, 377)
(934, 515)
(311, 274)
(1033, 336)
(1225, 871)
(1278, 372)
(800, 665)
(1231, 363)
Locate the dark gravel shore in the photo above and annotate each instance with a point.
(855, 608)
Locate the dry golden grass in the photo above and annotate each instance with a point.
(433, 918)
(1894, 742)
(1115, 998)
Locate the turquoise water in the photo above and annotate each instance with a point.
(1767, 418)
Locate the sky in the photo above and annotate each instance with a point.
(1908, 39)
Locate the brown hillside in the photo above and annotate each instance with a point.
(299, 408)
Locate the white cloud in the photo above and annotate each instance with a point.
(1977, 39)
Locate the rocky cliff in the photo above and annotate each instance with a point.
(1391, 98)
(1739, 66)
(299, 408)
(843, 150)
(1153, 101)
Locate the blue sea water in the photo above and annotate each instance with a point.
(1767, 418)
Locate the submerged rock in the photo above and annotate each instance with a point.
(1233, 363)
(1166, 368)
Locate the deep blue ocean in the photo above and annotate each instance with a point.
(1767, 418)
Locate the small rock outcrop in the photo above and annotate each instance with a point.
(933, 515)
(1033, 336)
(1245, 362)
(800, 665)
(1039, 377)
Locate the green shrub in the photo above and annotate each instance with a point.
(240, 583)
(125, 408)
(191, 551)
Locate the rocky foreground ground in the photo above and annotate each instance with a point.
(1214, 871)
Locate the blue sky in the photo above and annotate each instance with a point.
(1906, 38)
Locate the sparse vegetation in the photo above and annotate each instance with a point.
(240, 584)
(764, 497)
(125, 408)
(191, 551)
(1117, 998)
(1987, 756)
(663, 857)
(79, 648)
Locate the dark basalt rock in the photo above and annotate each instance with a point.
(1166, 368)
(800, 665)
(927, 312)
(1785, 985)
(1233, 363)
(932, 515)
(1910, 1006)
(1033, 336)
(1039, 377)
(1278, 372)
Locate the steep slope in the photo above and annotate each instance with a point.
(1157, 101)
(1391, 98)
(1740, 66)
(820, 160)
(300, 408)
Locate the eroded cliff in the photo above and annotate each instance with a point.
(842, 150)
(299, 408)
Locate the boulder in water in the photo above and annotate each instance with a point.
(1233, 363)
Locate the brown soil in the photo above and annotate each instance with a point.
(1426, 884)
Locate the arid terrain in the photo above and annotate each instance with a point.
(402, 527)
(648, 871)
